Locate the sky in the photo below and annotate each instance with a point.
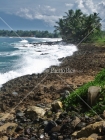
(42, 14)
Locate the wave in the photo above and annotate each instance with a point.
(35, 59)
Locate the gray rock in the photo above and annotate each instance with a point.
(14, 93)
(93, 95)
(65, 94)
(19, 114)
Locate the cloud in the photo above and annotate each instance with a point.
(33, 14)
(51, 11)
(48, 8)
(87, 6)
(69, 5)
(101, 9)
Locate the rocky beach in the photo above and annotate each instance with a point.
(30, 106)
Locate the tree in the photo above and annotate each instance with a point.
(75, 25)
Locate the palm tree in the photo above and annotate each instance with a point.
(76, 25)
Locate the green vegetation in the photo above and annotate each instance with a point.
(40, 34)
(74, 99)
(75, 26)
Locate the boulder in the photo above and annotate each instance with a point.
(56, 105)
(8, 127)
(93, 95)
(88, 130)
(34, 111)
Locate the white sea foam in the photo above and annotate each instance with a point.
(24, 41)
(35, 59)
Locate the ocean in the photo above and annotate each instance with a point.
(19, 57)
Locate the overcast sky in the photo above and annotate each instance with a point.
(42, 14)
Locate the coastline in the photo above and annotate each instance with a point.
(85, 63)
(41, 90)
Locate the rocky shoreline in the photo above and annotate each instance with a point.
(30, 107)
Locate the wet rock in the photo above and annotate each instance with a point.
(56, 106)
(93, 94)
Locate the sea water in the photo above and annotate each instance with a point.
(19, 57)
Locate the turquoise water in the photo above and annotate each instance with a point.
(7, 48)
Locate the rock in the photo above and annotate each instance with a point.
(93, 94)
(75, 122)
(18, 129)
(33, 138)
(64, 94)
(2, 107)
(8, 127)
(56, 129)
(88, 130)
(86, 139)
(4, 138)
(94, 136)
(54, 136)
(20, 138)
(19, 114)
(33, 111)
(80, 125)
(49, 113)
(56, 105)
(49, 126)
(60, 137)
(42, 137)
(14, 93)
(4, 116)
(45, 123)
(103, 115)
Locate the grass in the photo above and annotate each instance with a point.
(73, 99)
